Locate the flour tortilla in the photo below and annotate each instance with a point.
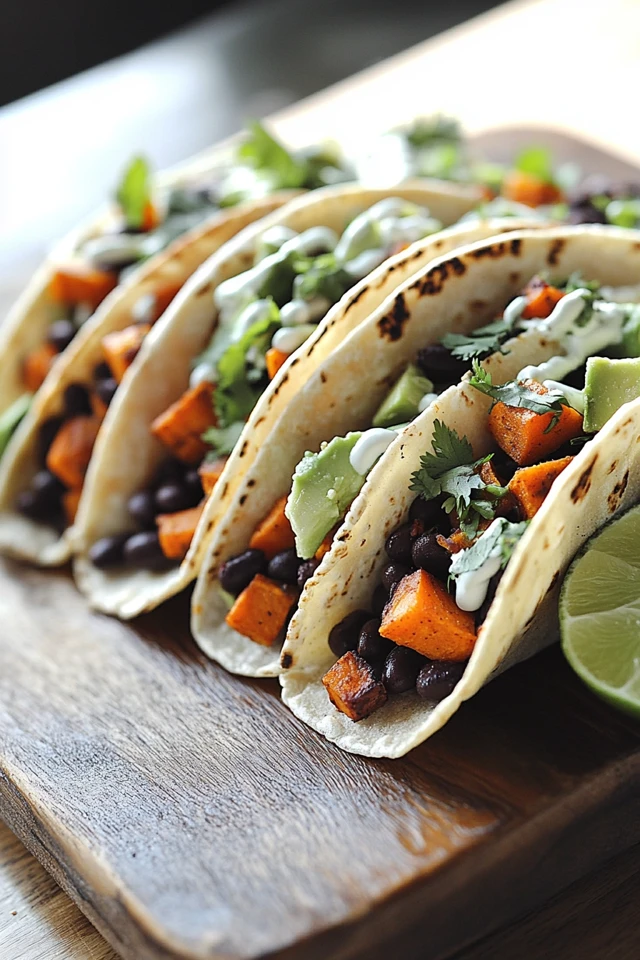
(341, 394)
(126, 453)
(20, 536)
(603, 479)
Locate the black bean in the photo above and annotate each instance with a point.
(142, 507)
(47, 488)
(109, 551)
(429, 512)
(143, 550)
(437, 679)
(193, 485)
(393, 574)
(102, 371)
(439, 364)
(76, 400)
(344, 635)
(284, 567)
(427, 554)
(400, 542)
(47, 435)
(168, 472)
(586, 214)
(106, 390)
(61, 333)
(172, 497)
(307, 570)
(372, 646)
(401, 669)
(30, 505)
(238, 572)
(482, 612)
(379, 600)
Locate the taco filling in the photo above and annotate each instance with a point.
(264, 315)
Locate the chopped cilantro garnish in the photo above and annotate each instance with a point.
(516, 394)
(537, 162)
(576, 281)
(322, 276)
(452, 469)
(479, 343)
(428, 130)
(223, 439)
(266, 154)
(134, 192)
(502, 539)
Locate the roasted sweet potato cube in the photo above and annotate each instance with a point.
(530, 485)
(325, 546)
(181, 426)
(176, 530)
(274, 533)
(121, 347)
(506, 503)
(70, 452)
(423, 616)
(527, 436)
(36, 366)
(522, 187)
(274, 359)
(261, 610)
(98, 406)
(78, 282)
(353, 687)
(210, 472)
(541, 299)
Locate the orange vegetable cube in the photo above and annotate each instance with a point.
(261, 610)
(274, 533)
(176, 530)
(121, 347)
(423, 616)
(181, 426)
(526, 188)
(325, 546)
(98, 406)
(36, 366)
(70, 501)
(541, 299)
(353, 688)
(210, 472)
(274, 359)
(521, 433)
(150, 217)
(530, 485)
(78, 282)
(71, 450)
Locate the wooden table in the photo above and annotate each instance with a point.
(550, 62)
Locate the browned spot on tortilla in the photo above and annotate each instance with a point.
(466, 399)
(344, 536)
(294, 361)
(362, 543)
(355, 299)
(583, 485)
(209, 525)
(208, 287)
(514, 276)
(554, 581)
(286, 660)
(555, 251)
(260, 420)
(478, 305)
(613, 466)
(225, 488)
(323, 376)
(627, 422)
(616, 495)
(242, 499)
(251, 483)
(515, 246)
(392, 324)
(493, 251)
(243, 448)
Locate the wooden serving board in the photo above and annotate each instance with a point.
(191, 816)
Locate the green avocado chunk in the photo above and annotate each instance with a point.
(608, 384)
(403, 400)
(11, 417)
(324, 487)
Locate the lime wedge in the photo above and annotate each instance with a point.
(600, 613)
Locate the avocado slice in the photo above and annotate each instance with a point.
(608, 384)
(324, 487)
(402, 403)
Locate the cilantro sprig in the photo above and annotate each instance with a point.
(321, 276)
(516, 394)
(481, 342)
(500, 539)
(451, 469)
(284, 170)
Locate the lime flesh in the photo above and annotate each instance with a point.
(600, 613)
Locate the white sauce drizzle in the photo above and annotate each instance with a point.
(472, 587)
(621, 294)
(288, 339)
(573, 396)
(426, 401)
(371, 445)
(513, 310)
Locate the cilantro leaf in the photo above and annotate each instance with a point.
(516, 394)
(479, 343)
(537, 162)
(501, 539)
(438, 129)
(11, 417)
(322, 276)
(266, 154)
(223, 439)
(134, 192)
(449, 451)
(576, 281)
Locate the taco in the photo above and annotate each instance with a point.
(446, 570)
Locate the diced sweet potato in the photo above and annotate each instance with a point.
(70, 501)
(455, 542)
(261, 610)
(530, 485)
(526, 188)
(121, 347)
(78, 282)
(541, 299)
(521, 433)
(506, 503)
(353, 688)
(176, 530)
(274, 533)
(70, 452)
(210, 472)
(423, 616)
(181, 426)
(274, 359)
(150, 217)
(98, 406)
(325, 546)
(36, 366)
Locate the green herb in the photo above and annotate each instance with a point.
(451, 469)
(134, 192)
(479, 343)
(516, 394)
(576, 281)
(623, 213)
(223, 439)
(278, 282)
(267, 155)
(537, 162)
(11, 417)
(490, 174)
(321, 276)
(441, 160)
(502, 538)
(438, 129)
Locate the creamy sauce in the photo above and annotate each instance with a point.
(143, 308)
(513, 310)
(371, 445)
(288, 339)
(256, 311)
(573, 396)
(472, 587)
(621, 294)
(426, 401)
(365, 262)
(203, 373)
